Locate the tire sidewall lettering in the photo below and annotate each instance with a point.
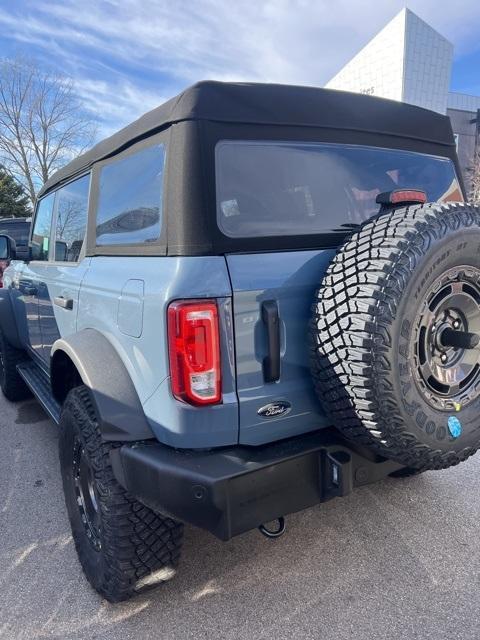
(430, 422)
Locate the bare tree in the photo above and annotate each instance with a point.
(42, 123)
(70, 220)
(474, 172)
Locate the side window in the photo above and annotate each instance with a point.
(42, 228)
(130, 198)
(71, 221)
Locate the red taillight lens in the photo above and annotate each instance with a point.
(194, 348)
(402, 196)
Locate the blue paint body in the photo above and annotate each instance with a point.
(126, 299)
(289, 278)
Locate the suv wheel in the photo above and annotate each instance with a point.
(396, 353)
(123, 546)
(11, 383)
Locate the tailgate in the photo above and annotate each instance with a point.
(266, 284)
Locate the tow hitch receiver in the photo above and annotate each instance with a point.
(336, 480)
(337, 474)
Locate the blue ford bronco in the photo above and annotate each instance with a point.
(253, 299)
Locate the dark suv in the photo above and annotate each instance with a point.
(249, 301)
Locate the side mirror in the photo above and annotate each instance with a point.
(8, 248)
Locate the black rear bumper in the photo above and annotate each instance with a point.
(229, 491)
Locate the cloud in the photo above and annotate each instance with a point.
(100, 99)
(128, 55)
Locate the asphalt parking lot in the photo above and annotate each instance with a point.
(400, 559)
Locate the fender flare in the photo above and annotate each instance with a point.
(8, 323)
(119, 410)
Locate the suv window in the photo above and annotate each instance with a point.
(72, 206)
(16, 229)
(282, 188)
(130, 198)
(42, 228)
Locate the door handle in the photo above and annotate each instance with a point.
(271, 362)
(65, 303)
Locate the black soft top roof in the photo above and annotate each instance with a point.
(272, 104)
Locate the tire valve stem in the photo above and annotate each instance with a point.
(443, 357)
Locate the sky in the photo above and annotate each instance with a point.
(128, 56)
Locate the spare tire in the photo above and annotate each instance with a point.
(396, 329)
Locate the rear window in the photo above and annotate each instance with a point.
(277, 188)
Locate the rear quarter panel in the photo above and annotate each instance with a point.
(126, 299)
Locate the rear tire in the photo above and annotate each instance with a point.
(123, 546)
(11, 383)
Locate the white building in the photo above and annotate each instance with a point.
(411, 62)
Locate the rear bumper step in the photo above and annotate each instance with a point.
(233, 490)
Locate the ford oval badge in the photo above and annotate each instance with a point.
(275, 409)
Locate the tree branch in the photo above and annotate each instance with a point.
(42, 124)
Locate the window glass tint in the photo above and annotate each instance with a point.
(272, 189)
(42, 228)
(71, 222)
(130, 198)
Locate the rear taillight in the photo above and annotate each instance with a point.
(194, 349)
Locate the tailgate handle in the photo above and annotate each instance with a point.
(271, 362)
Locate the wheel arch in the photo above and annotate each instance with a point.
(89, 358)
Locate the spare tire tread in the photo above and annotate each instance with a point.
(353, 311)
